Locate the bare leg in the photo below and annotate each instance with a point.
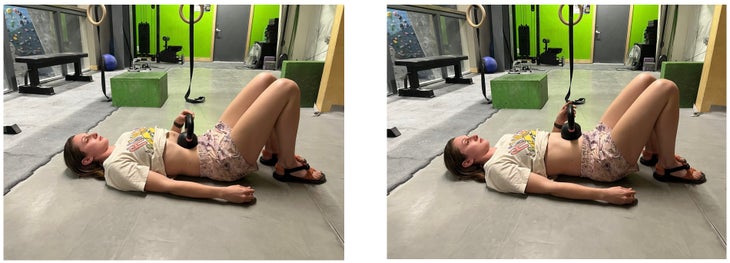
(246, 97)
(624, 100)
(243, 101)
(656, 110)
(650, 147)
(275, 110)
(651, 144)
(271, 147)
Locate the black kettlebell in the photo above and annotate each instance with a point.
(571, 130)
(188, 139)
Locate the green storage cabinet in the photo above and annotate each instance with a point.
(139, 89)
(307, 75)
(519, 91)
(687, 77)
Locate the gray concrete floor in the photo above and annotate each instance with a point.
(434, 216)
(55, 215)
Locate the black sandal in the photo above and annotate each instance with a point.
(287, 177)
(668, 178)
(648, 162)
(655, 159)
(269, 162)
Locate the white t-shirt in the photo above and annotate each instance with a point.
(516, 156)
(136, 153)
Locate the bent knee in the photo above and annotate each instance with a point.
(667, 86)
(266, 76)
(287, 84)
(646, 77)
(667, 83)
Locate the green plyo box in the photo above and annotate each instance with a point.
(139, 89)
(519, 91)
(307, 75)
(687, 77)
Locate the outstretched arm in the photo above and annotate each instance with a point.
(157, 182)
(537, 184)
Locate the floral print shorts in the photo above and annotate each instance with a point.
(219, 157)
(600, 159)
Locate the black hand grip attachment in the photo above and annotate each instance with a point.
(571, 129)
(188, 139)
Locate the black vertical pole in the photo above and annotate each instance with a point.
(157, 31)
(134, 33)
(192, 39)
(537, 33)
(515, 31)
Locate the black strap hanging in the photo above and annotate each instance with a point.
(571, 130)
(480, 64)
(102, 65)
(192, 57)
(570, 53)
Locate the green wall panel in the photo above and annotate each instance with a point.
(261, 15)
(171, 25)
(551, 28)
(523, 16)
(145, 13)
(641, 16)
(557, 32)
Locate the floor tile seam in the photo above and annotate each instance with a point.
(715, 229)
(322, 212)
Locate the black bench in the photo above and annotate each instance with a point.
(413, 65)
(41, 61)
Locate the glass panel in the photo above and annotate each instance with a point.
(71, 38)
(33, 32)
(413, 35)
(451, 43)
(29, 32)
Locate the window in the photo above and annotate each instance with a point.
(38, 30)
(415, 31)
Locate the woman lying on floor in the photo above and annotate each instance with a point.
(645, 115)
(264, 114)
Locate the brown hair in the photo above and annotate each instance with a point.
(453, 159)
(72, 155)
